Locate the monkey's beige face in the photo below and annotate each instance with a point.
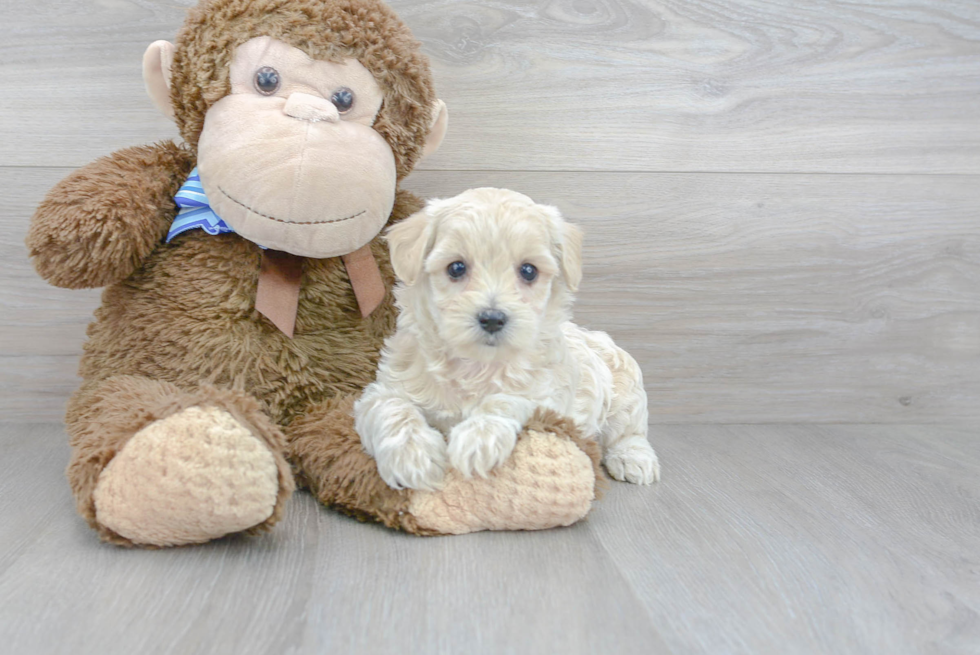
(494, 270)
(289, 159)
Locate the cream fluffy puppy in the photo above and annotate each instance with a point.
(484, 338)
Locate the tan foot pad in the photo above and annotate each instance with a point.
(547, 482)
(194, 476)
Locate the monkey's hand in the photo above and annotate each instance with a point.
(97, 225)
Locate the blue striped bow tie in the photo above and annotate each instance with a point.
(195, 211)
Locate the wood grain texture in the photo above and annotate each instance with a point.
(804, 539)
(762, 540)
(654, 85)
(745, 298)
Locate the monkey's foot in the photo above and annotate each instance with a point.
(193, 476)
(549, 481)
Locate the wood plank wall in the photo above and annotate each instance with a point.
(781, 199)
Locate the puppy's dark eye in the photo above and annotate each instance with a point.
(456, 270)
(267, 80)
(529, 272)
(343, 100)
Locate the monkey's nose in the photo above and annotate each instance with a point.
(492, 320)
(307, 107)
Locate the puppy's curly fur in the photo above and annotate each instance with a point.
(484, 338)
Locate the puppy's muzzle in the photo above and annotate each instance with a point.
(492, 320)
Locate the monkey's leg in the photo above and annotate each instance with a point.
(550, 479)
(153, 465)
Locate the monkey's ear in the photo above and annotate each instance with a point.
(156, 75)
(437, 130)
(409, 243)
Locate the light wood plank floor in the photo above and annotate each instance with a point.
(760, 539)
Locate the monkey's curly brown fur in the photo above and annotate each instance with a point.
(100, 223)
(177, 326)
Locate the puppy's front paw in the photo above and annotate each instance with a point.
(418, 462)
(633, 461)
(480, 443)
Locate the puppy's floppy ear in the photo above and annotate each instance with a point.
(571, 255)
(409, 241)
(567, 244)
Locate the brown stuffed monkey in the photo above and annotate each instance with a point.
(233, 338)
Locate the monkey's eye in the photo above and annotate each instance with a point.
(343, 99)
(529, 272)
(267, 80)
(456, 270)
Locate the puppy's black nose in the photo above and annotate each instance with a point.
(492, 320)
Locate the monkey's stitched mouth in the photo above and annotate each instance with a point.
(281, 220)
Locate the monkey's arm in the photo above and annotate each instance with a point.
(97, 225)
